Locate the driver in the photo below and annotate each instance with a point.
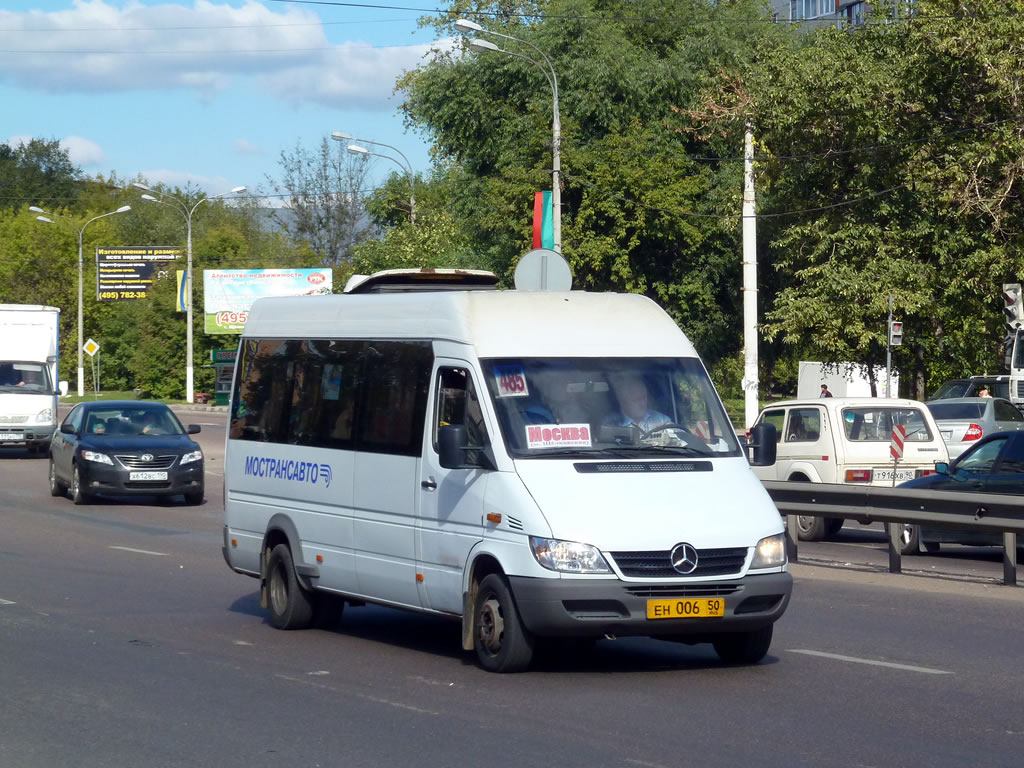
(631, 392)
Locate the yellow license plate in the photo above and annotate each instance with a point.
(690, 608)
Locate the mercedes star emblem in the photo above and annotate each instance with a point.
(684, 558)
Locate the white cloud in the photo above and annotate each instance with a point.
(83, 152)
(246, 147)
(97, 46)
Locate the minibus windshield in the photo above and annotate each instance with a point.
(619, 407)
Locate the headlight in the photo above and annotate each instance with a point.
(188, 458)
(770, 552)
(99, 458)
(45, 416)
(568, 556)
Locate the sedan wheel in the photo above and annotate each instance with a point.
(910, 539)
(78, 494)
(57, 488)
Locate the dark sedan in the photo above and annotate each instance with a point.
(125, 448)
(995, 464)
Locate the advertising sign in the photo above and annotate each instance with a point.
(229, 293)
(126, 274)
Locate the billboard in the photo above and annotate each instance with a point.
(127, 273)
(228, 293)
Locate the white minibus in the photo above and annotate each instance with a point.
(532, 464)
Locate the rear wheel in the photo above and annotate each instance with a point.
(501, 641)
(910, 539)
(833, 525)
(810, 528)
(78, 493)
(290, 605)
(744, 647)
(57, 488)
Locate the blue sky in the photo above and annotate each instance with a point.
(206, 92)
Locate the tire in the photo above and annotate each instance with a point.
(290, 605)
(810, 528)
(910, 539)
(501, 641)
(78, 495)
(57, 488)
(833, 525)
(743, 647)
(195, 498)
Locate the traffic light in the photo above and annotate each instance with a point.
(895, 333)
(1013, 306)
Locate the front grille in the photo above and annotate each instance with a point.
(158, 462)
(658, 565)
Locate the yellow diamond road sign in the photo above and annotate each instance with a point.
(91, 347)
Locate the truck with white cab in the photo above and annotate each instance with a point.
(29, 345)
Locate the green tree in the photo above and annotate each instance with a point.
(38, 172)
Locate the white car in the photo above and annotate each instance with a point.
(848, 440)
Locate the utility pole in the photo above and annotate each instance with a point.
(750, 375)
(888, 351)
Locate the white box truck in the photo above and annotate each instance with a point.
(29, 344)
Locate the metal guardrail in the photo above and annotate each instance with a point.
(991, 512)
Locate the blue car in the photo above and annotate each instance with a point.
(995, 464)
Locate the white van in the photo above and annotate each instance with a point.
(464, 454)
(847, 440)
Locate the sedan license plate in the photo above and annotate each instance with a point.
(10, 436)
(147, 475)
(689, 608)
(885, 475)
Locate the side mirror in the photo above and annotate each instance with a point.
(62, 387)
(67, 428)
(193, 429)
(763, 442)
(452, 444)
(941, 468)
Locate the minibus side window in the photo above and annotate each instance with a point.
(393, 396)
(324, 394)
(457, 403)
(263, 390)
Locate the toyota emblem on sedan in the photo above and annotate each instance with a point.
(146, 457)
(684, 558)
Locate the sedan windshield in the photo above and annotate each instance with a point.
(27, 378)
(130, 422)
(621, 407)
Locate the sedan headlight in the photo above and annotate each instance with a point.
(99, 458)
(45, 416)
(188, 458)
(770, 552)
(569, 556)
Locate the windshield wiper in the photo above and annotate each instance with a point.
(678, 450)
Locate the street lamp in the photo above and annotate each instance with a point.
(79, 232)
(183, 208)
(406, 166)
(485, 46)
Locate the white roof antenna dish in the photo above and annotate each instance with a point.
(543, 270)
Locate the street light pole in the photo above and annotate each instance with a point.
(186, 212)
(406, 166)
(80, 234)
(548, 68)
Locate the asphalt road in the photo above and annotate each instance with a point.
(126, 641)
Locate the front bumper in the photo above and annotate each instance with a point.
(40, 434)
(114, 481)
(596, 607)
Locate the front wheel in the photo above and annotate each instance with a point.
(194, 498)
(811, 528)
(501, 641)
(78, 493)
(290, 604)
(743, 647)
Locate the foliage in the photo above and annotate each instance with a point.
(324, 192)
(38, 173)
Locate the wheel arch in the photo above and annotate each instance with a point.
(281, 530)
(478, 567)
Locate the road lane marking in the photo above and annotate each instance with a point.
(7, 602)
(872, 662)
(141, 551)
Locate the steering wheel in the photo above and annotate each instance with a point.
(670, 425)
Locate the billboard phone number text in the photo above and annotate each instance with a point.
(119, 295)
